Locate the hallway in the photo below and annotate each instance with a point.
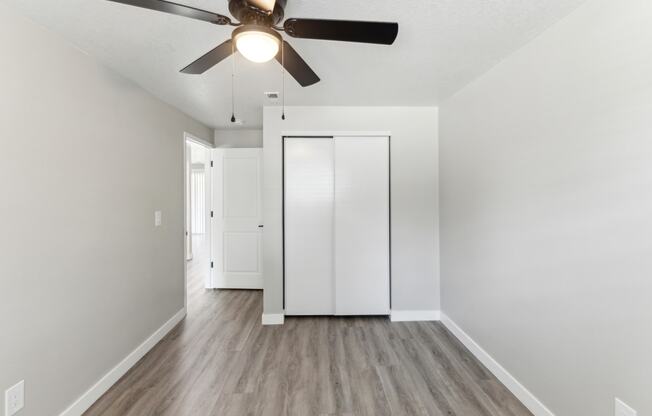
(198, 269)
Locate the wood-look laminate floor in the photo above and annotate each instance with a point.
(222, 361)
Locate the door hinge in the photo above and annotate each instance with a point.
(211, 214)
(211, 265)
(211, 163)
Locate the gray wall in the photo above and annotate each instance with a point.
(546, 210)
(415, 228)
(85, 159)
(238, 138)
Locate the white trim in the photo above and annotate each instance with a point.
(405, 316)
(273, 319)
(187, 237)
(91, 395)
(195, 139)
(335, 133)
(528, 399)
(622, 408)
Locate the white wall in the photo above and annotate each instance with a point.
(546, 216)
(238, 138)
(86, 157)
(414, 216)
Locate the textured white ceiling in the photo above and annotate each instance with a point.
(442, 45)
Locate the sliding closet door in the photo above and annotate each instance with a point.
(309, 226)
(361, 225)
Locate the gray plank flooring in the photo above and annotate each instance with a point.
(221, 361)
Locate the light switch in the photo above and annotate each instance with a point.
(158, 218)
(15, 398)
(623, 410)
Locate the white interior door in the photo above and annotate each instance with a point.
(237, 219)
(361, 225)
(308, 213)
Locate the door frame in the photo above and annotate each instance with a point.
(332, 135)
(190, 138)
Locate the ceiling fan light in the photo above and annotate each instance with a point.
(256, 43)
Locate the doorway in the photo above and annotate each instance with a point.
(197, 224)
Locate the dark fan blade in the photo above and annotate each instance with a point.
(343, 30)
(296, 66)
(211, 59)
(178, 9)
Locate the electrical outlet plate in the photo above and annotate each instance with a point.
(158, 218)
(623, 410)
(15, 398)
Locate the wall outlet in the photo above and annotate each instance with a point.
(158, 218)
(623, 410)
(15, 398)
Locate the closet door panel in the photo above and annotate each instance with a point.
(361, 225)
(309, 226)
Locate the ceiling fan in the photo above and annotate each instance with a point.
(257, 35)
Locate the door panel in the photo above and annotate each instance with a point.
(237, 196)
(241, 178)
(308, 205)
(361, 225)
(241, 252)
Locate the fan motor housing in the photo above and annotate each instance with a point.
(251, 15)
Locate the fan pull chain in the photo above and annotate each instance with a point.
(233, 83)
(283, 67)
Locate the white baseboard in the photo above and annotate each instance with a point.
(528, 399)
(405, 316)
(273, 319)
(87, 399)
